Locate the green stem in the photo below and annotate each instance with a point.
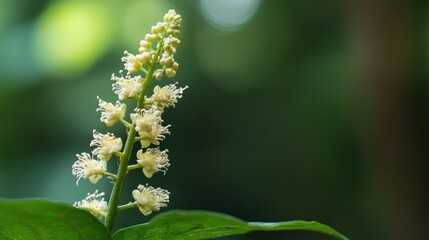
(135, 166)
(143, 70)
(126, 206)
(149, 75)
(111, 175)
(116, 191)
(123, 164)
(127, 124)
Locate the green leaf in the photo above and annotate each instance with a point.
(193, 225)
(41, 219)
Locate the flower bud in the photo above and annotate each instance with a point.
(170, 72)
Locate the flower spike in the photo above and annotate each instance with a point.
(155, 59)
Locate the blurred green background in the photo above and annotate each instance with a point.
(298, 109)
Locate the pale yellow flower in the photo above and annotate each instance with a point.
(94, 204)
(127, 87)
(153, 161)
(88, 168)
(133, 63)
(107, 145)
(148, 125)
(167, 96)
(110, 113)
(150, 199)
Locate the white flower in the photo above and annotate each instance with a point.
(148, 125)
(150, 199)
(88, 168)
(145, 119)
(128, 87)
(167, 95)
(111, 113)
(152, 161)
(107, 145)
(157, 134)
(133, 63)
(94, 204)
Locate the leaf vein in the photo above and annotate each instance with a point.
(7, 235)
(33, 229)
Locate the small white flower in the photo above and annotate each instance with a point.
(133, 63)
(94, 204)
(110, 113)
(150, 199)
(88, 168)
(157, 134)
(127, 87)
(152, 161)
(107, 145)
(148, 125)
(145, 119)
(167, 95)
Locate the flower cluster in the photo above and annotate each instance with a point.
(145, 125)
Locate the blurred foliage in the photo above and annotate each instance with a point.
(269, 129)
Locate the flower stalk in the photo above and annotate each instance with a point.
(124, 159)
(145, 126)
(116, 191)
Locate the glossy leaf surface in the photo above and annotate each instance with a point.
(194, 225)
(42, 219)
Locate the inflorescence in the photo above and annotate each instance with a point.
(154, 60)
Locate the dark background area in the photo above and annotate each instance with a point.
(312, 110)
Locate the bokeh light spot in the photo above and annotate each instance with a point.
(71, 36)
(228, 15)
